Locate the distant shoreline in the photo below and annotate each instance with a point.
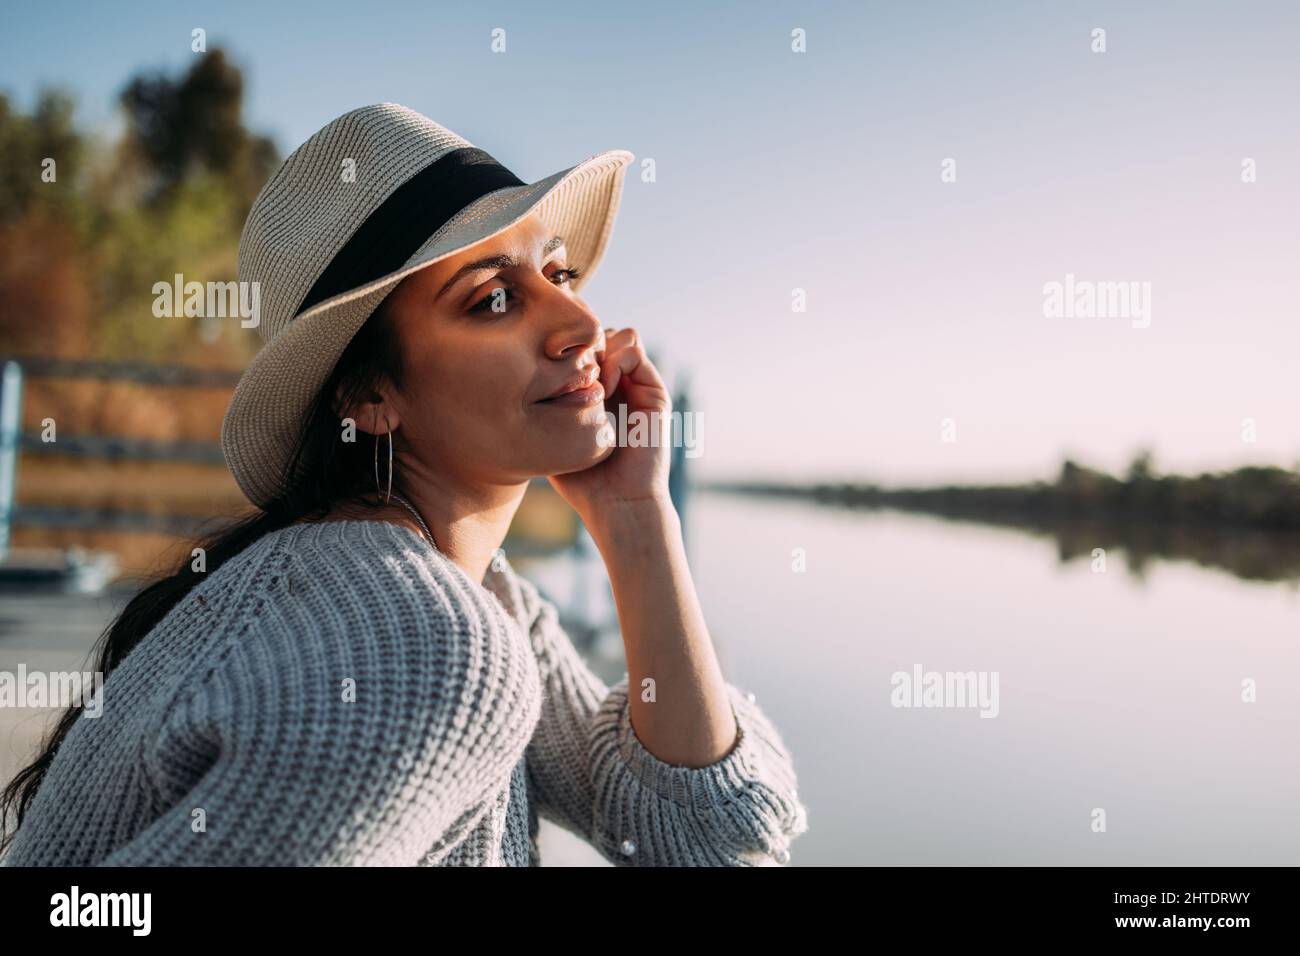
(1246, 521)
(1265, 498)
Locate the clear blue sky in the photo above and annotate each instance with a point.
(821, 171)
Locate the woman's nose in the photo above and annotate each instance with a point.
(572, 327)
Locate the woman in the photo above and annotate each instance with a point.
(355, 674)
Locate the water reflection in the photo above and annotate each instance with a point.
(1113, 694)
(1251, 554)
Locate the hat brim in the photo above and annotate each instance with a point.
(264, 421)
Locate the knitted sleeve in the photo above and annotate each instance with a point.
(365, 714)
(590, 773)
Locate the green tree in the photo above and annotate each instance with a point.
(1142, 467)
(194, 125)
(79, 257)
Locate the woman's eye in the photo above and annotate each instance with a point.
(501, 292)
(505, 295)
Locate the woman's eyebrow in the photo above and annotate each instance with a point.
(500, 261)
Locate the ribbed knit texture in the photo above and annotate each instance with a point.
(343, 694)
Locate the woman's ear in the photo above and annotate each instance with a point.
(372, 413)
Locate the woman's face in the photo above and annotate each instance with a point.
(475, 376)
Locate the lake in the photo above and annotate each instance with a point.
(1114, 693)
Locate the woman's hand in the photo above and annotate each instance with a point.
(638, 470)
(624, 502)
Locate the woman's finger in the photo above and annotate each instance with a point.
(616, 339)
(620, 363)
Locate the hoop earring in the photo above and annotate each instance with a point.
(389, 494)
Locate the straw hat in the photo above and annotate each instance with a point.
(372, 197)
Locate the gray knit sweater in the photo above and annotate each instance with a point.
(343, 694)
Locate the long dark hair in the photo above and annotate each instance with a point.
(323, 470)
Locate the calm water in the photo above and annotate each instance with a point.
(1113, 694)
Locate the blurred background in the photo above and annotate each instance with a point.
(837, 238)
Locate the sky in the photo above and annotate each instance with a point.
(924, 351)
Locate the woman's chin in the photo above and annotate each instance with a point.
(578, 451)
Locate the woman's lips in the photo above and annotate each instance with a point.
(583, 396)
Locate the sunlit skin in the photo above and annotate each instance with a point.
(469, 433)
